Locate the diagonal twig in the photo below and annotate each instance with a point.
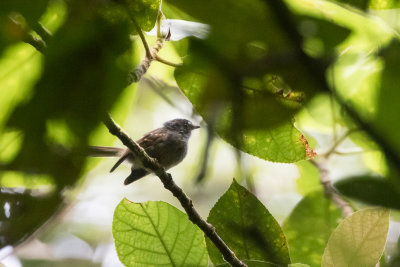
(166, 178)
(329, 190)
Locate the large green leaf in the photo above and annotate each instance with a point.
(359, 240)
(282, 143)
(309, 226)
(372, 190)
(84, 66)
(156, 233)
(247, 228)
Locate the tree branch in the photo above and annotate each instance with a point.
(329, 190)
(139, 71)
(338, 142)
(166, 178)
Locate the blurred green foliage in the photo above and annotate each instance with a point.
(309, 226)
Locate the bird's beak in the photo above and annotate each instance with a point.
(195, 127)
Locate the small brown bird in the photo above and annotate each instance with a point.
(168, 145)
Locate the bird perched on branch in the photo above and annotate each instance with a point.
(168, 145)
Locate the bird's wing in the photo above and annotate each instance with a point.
(148, 142)
(152, 140)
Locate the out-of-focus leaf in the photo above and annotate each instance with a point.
(372, 190)
(86, 63)
(359, 240)
(321, 36)
(372, 4)
(31, 10)
(247, 228)
(309, 180)
(23, 213)
(388, 111)
(361, 4)
(156, 233)
(145, 12)
(260, 110)
(309, 226)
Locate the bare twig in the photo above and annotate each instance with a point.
(329, 190)
(139, 30)
(166, 62)
(166, 178)
(139, 71)
(338, 141)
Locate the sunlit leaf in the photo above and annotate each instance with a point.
(247, 228)
(359, 240)
(372, 190)
(284, 143)
(156, 233)
(309, 226)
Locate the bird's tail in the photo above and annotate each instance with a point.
(104, 151)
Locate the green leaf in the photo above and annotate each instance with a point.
(359, 240)
(156, 233)
(145, 12)
(309, 226)
(247, 228)
(309, 180)
(372, 190)
(282, 143)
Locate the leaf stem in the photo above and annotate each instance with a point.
(166, 178)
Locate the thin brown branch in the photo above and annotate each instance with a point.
(152, 165)
(139, 30)
(139, 71)
(329, 190)
(339, 141)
